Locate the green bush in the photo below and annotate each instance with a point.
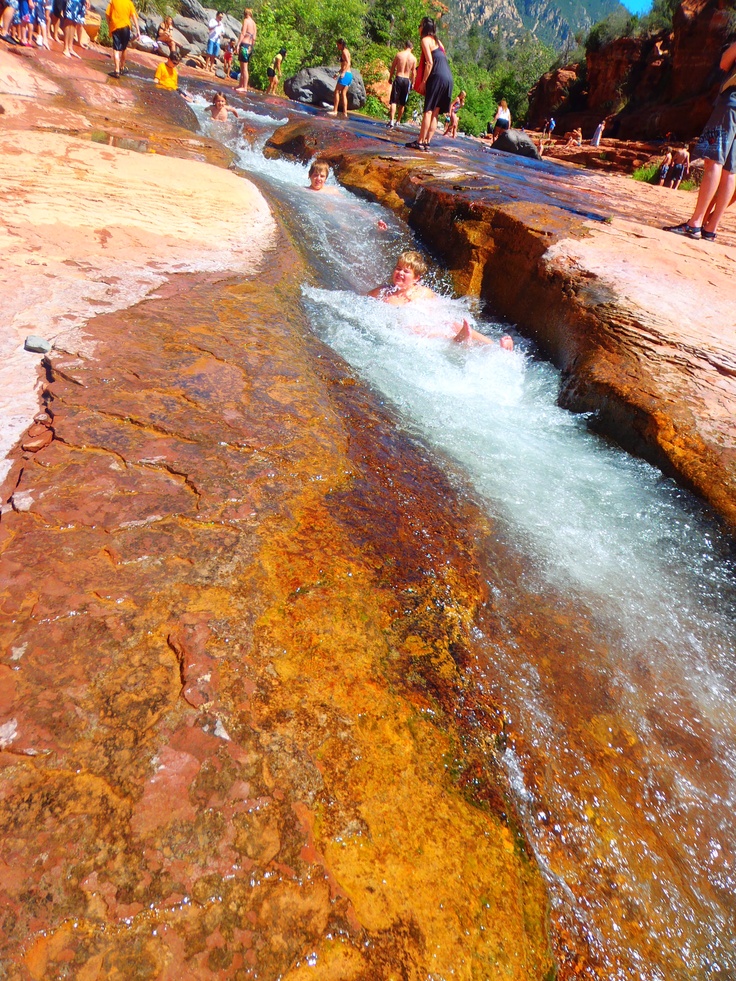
(374, 107)
(648, 173)
(103, 35)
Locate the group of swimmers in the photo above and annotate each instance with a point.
(406, 284)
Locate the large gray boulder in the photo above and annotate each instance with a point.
(514, 141)
(316, 87)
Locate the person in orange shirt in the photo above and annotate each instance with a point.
(167, 74)
(120, 15)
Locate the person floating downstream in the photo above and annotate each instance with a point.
(318, 174)
(344, 80)
(406, 287)
(219, 108)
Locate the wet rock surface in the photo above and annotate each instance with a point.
(235, 605)
(227, 662)
(639, 320)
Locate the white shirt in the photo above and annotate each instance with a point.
(216, 28)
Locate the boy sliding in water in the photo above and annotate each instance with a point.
(318, 174)
(406, 287)
(219, 108)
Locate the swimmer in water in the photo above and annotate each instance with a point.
(406, 287)
(219, 108)
(318, 174)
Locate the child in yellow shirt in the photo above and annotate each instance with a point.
(167, 74)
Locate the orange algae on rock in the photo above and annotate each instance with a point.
(228, 747)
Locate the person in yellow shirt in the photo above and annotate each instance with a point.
(167, 74)
(120, 15)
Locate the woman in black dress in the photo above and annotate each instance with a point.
(434, 82)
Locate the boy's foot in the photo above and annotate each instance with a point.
(114, 74)
(332, 112)
(684, 229)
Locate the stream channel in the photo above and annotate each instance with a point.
(624, 712)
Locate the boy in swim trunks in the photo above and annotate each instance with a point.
(406, 287)
(343, 81)
(403, 71)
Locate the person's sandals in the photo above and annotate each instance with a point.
(114, 74)
(684, 229)
(416, 145)
(707, 236)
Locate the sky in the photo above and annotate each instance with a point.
(638, 6)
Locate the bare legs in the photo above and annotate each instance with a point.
(341, 98)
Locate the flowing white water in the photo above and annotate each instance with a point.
(635, 829)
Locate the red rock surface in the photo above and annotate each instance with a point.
(648, 86)
(230, 736)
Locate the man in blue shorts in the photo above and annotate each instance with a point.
(343, 80)
(717, 147)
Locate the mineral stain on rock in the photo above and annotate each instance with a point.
(232, 754)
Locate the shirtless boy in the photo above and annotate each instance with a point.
(680, 167)
(219, 108)
(406, 287)
(402, 74)
(343, 80)
(318, 174)
(245, 45)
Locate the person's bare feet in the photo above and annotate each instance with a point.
(332, 112)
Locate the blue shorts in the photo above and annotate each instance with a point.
(213, 49)
(718, 140)
(345, 78)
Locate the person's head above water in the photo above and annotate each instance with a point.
(318, 174)
(413, 262)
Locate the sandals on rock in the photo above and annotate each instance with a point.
(416, 145)
(684, 229)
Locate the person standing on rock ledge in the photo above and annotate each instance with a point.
(120, 15)
(434, 81)
(401, 76)
(246, 43)
(717, 146)
(344, 80)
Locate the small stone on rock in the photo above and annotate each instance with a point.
(37, 344)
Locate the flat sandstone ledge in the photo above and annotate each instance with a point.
(639, 320)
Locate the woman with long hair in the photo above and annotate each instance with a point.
(434, 81)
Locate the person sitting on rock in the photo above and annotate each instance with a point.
(164, 34)
(574, 138)
(664, 167)
(219, 108)
(406, 287)
(167, 74)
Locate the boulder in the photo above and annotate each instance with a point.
(316, 87)
(194, 31)
(514, 141)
